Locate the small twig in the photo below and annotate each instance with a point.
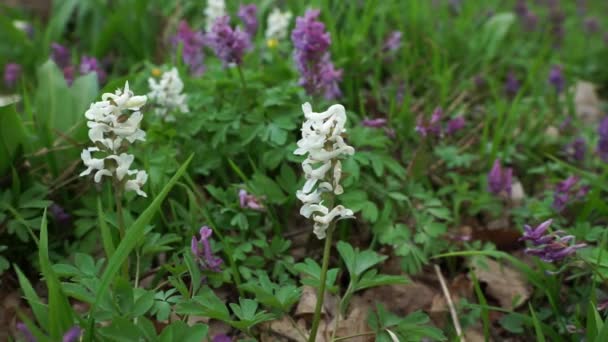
(446, 293)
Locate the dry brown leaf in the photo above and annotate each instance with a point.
(284, 329)
(355, 321)
(402, 299)
(308, 301)
(586, 102)
(474, 335)
(504, 283)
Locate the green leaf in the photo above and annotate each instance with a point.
(206, 304)
(134, 233)
(41, 311)
(106, 234)
(60, 312)
(372, 279)
(180, 331)
(540, 337)
(12, 136)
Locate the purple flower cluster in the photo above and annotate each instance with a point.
(312, 57)
(60, 215)
(433, 127)
(90, 64)
(528, 19)
(221, 338)
(556, 78)
(500, 179)
(512, 85)
(249, 201)
(62, 57)
(549, 247)
(379, 123)
(576, 149)
(591, 25)
(602, 145)
(228, 44)
(12, 73)
(72, 335)
(192, 43)
(568, 190)
(248, 15)
(392, 42)
(201, 249)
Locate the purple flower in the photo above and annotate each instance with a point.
(568, 190)
(549, 247)
(511, 85)
(60, 55)
(249, 201)
(90, 64)
(228, 44)
(591, 25)
(455, 125)
(221, 338)
(69, 74)
(576, 149)
(528, 19)
(500, 179)
(202, 251)
(393, 41)
(248, 14)
(374, 123)
(479, 81)
(312, 57)
(12, 73)
(25, 332)
(556, 78)
(72, 335)
(60, 215)
(192, 43)
(425, 128)
(602, 146)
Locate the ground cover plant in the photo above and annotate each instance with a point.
(303, 170)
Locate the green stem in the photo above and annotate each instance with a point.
(321, 293)
(242, 77)
(353, 336)
(121, 223)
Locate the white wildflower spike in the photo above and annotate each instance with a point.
(167, 95)
(278, 23)
(214, 10)
(114, 124)
(323, 145)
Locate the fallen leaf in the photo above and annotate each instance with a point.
(355, 322)
(308, 301)
(401, 299)
(284, 328)
(504, 283)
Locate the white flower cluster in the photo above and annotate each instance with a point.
(214, 10)
(113, 125)
(278, 23)
(322, 141)
(167, 95)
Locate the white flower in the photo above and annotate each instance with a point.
(323, 144)
(214, 10)
(135, 184)
(112, 121)
(277, 25)
(167, 95)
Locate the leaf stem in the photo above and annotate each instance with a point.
(120, 220)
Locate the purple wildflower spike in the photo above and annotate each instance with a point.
(90, 64)
(248, 14)
(60, 55)
(201, 249)
(568, 190)
(60, 215)
(249, 201)
(500, 179)
(549, 247)
(511, 85)
(393, 41)
(455, 125)
(192, 43)
(556, 78)
(602, 146)
(312, 57)
(72, 335)
(12, 73)
(69, 73)
(221, 338)
(591, 25)
(228, 44)
(433, 126)
(25, 332)
(576, 149)
(374, 123)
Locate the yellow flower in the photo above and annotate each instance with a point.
(272, 43)
(156, 72)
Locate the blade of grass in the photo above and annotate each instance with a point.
(41, 311)
(540, 337)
